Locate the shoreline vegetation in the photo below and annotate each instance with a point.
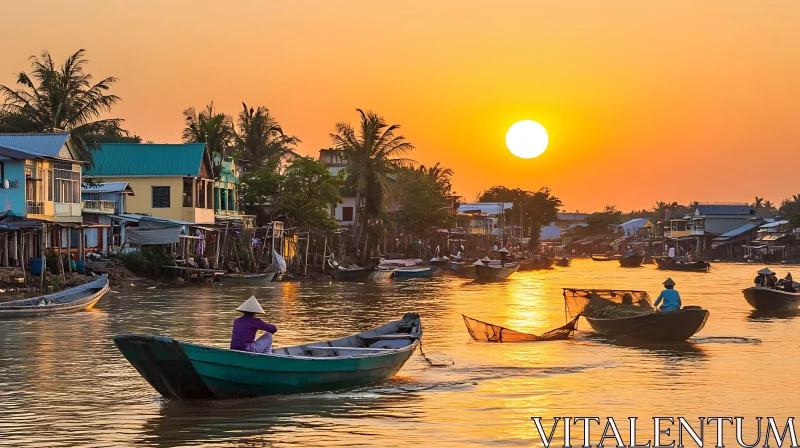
(402, 208)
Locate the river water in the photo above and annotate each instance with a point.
(63, 383)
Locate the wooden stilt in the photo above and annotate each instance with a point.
(21, 250)
(44, 259)
(81, 249)
(69, 249)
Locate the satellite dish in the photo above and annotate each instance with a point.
(6, 184)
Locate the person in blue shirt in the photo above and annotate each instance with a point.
(670, 297)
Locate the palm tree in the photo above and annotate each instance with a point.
(61, 99)
(438, 174)
(371, 154)
(212, 128)
(261, 139)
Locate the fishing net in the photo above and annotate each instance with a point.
(484, 331)
(606, 302)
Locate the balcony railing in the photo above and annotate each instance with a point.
(99, 206)
(35, 208)
(698, 231)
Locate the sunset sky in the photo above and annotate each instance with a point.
(643, 101)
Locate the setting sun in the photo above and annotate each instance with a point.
(526, 139)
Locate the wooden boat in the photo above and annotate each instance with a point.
(648, 259)
(770, 299)
(414, 272)
(669, 264)
(634, 261)
(605, 257)
(381, 273)
(348, 274)
(610, 315)
(495, 272)
(79, 298)
(263, 277)
(536, 264)
(564, 262)
(189, 371)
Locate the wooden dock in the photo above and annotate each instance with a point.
(202, 275)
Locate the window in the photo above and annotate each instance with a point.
(209, 195)
(231, 204)
(160, 197)
(67, 184)
(2, 171)
(347, 213)
(49, 185)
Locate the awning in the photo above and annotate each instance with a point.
(144, 237)
(771, 236)
(725, 237)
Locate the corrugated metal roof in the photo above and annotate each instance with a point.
(490, 208)
(736, 232)
(147, 159)
(40, 145)
(107, 187)
(773, 224)
(720, 209)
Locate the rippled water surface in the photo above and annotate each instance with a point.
(63, 383)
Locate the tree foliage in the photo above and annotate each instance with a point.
(258, 188)
(424, 198)
(213, 128)
(531, 210)
(308, 190)
(260, 138)
(605, 221)
(62, 98)
(372, 153)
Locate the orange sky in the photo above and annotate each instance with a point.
(644, 101)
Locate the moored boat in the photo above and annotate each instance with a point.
(605, 257)
(629, 315)
(381, 273)
(348, 274)
(763, 298)
(414, 272)
(536, 264)
(495, 272)
(257, 278)
(79, 298)
(564, 262)
(669, 264)
(633, 261)
(187, 371)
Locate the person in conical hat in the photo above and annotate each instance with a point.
(670, 297)
(766, 278)
(503, 255)
(243, 336)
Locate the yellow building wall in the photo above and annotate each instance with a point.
(142, 199)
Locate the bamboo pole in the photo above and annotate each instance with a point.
(324, 252)
(60, 255)
(5, 249)
(69, 249)
(19, 261)
(44, 260)
(81, 249)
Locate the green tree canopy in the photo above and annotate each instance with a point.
(260, 138)
(308, 191)
(531, 210)
(213, 128)
(424, 197)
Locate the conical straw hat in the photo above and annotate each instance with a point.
(251, 305)
(486, 259)
(503, 250)
(669, 282)
(766, 271)
(789, 277)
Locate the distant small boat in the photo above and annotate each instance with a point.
(495, 272)
(263, 277)
(79, 298)
(187, 371)
(414, 272)
(634, 261)
(564, 262)
(771, 299)
(536, 264)
(348, 274)
(605, 257)
(381, 273)
(668, 264)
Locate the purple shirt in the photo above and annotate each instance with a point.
(244, 331)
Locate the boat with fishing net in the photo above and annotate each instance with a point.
(626, 314)
(484, 331)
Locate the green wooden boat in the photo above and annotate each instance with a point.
(188, 371)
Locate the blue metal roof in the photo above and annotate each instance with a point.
(34, 145)
(715, 209)
(147, 159)
(736, 232)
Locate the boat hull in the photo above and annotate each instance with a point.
(91, 294)
(603, 258)
(494, 274)
(769, 299)
(261, 278)
(414, 273)
(381, 274)
(351, 275)
(670, 265)
(634, 261)
(564, 262)
(186, 371)
(667, 326)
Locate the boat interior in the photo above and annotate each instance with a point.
(392, 336)
(66, 296)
